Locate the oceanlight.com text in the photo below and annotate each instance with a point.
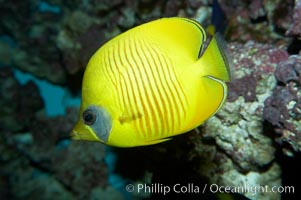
(192, 188)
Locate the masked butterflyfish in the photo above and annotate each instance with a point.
(149, 84)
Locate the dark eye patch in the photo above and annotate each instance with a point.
(99, 120)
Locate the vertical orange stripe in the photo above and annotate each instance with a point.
(174, 94)
(160, 97)
(148, 91)
(136, 88)
(109, 68)
(168, 119)
(123, 87)
(171, 88)
(147, 83)
(113, 55)
(177, 86)
(149, 68)
(138, 73)
(128, 91)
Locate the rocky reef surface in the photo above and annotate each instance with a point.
(283, 107)
(37, 161)
(246, 154)
(254, 140)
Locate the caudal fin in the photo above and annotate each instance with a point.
(216, 59)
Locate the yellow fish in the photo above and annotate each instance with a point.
(149, 84)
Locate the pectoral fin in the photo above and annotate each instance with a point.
(129, 116)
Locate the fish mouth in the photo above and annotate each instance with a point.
(74, 135)
(81, 133)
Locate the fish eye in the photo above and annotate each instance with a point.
(89, 117)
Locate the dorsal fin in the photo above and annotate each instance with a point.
(174, 32)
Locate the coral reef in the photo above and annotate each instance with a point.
(295, 27)
(29, 27)
(65, 35)
(257, 20)
(37, 158)
(283, 107)
(23, 101)
(242, 151)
